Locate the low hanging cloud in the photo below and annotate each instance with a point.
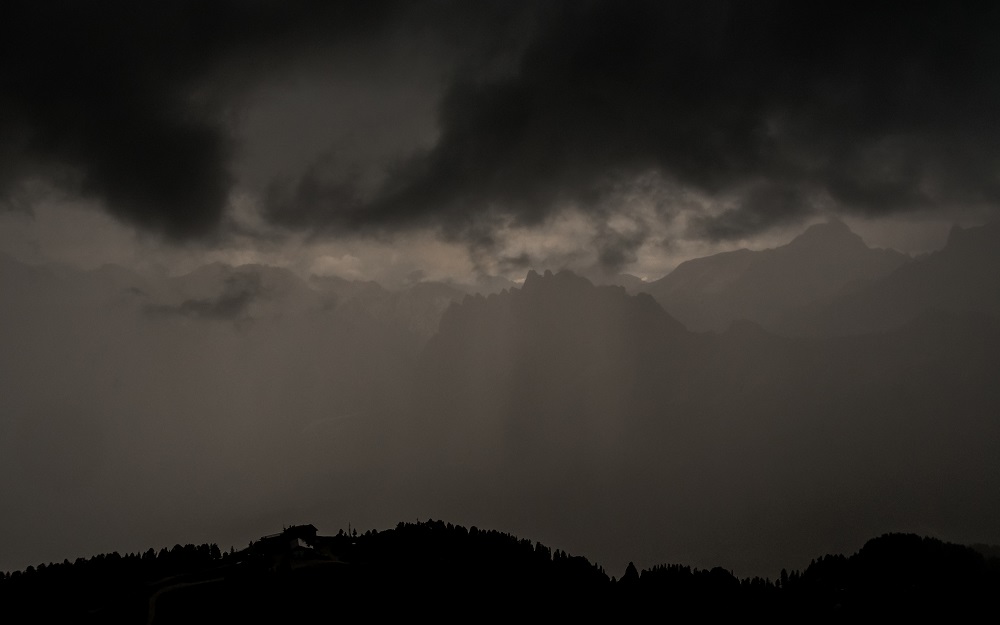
(777, 109)
(101, 100)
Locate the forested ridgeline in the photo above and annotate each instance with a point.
(437, 569)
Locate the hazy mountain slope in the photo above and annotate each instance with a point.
(589, 407)
(559, 410)
(765, 286)
(416, 308)
(962, 277)
(558, 340)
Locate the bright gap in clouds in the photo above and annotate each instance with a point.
(64, 232)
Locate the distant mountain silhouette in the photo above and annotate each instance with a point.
(961, 278)
(578, 394)
(632, 284)
(522, 360)
(766, 286)
(561, 307)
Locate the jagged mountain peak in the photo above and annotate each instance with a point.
(830, 234)
(564, 278)
(563, 304)
(566, 288)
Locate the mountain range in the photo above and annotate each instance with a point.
(764, 438)
(828, 282)
(768, 286)
(231, 396)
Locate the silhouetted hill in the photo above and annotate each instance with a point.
(429, 569)
(765, 286)
(897, 576)
(444, 571)
(961, 278)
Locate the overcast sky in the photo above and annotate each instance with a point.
(371, 139)
(447, 140)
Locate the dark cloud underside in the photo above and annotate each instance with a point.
(773, 108)
(129, 102)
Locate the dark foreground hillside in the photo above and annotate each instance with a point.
(443, 571)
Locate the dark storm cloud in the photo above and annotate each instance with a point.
(775, 107)
(876, 108)
(760, 207)
(101, 97)
(617, 249)
(130, 103)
